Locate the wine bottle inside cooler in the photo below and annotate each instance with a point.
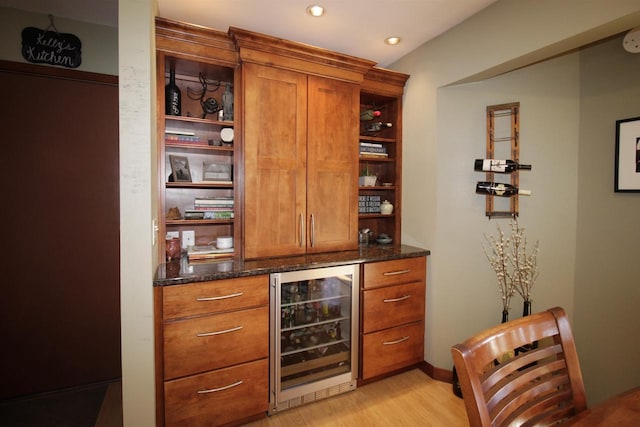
(501, 166)
(172, 95)
(499, 189)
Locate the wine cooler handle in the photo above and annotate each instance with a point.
(403, 339)
(226, 331)
(301, 239)
(393, 273)
(402, 298)
(237, 294)
(313, 230)
(213, 390)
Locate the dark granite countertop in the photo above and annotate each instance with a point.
(181, 271)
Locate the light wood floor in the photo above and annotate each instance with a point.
(408, 399)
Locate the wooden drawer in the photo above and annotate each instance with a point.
(385, 273)
(392, 306)
(211, 297)
(392, 349)
(215, 341)
(218, 397)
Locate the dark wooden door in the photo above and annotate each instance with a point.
(59, 304)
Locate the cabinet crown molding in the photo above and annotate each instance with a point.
(383, 81)
(195, 42)
(274, 51)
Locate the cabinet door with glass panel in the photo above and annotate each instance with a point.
(315, 332)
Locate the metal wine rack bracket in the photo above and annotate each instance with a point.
(512, 111)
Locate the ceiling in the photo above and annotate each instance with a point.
(353, 27)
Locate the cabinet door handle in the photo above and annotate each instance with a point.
(213, 390)
(393, 273)
(403, 339)
(301, 237)
(313, 230)
(226, 331)
(237, 294)
(402, 298)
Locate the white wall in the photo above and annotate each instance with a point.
(444, 131)
(137, 208)
(464, 289)
(99, 42)
(607, 291)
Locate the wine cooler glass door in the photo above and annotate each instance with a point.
(316, 331)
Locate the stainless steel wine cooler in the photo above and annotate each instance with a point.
(314, 335)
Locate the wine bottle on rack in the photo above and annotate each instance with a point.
(377, 126)
(501, 166)
(172, 95)
(499, 189)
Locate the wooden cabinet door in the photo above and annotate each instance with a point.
(275, 155)
(332, 168)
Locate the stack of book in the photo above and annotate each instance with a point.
(373, 150)
(182, 137)
(368, 204)
(204, 252)
(211, 208)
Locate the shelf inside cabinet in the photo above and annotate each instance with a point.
(375, 215)
(187, 146)
(200, 184)
(369, 138)
(222, 123)
(379, 188)
(198, 221)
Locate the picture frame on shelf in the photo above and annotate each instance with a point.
(180, 168)
(627, 167)
(217, 172)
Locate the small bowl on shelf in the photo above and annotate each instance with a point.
(384, 239)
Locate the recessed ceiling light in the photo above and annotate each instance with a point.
(315, 10)
(392, 40)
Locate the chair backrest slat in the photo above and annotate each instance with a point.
(521, 371)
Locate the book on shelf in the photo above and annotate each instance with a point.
(207, 214)
(374, 155)
(221, 208)
(214, 200)
(369, 204)
(382, 150)
(179, 132)
(372, 150)
(208, 252)
(371, 144)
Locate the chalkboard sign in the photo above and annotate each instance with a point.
(51, 47)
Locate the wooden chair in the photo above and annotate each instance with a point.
(523, 372)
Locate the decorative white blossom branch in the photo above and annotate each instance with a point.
(515, 270)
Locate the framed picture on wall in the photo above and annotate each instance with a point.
(180, 168)
(628, 155)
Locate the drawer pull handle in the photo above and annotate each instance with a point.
(403, 339)
(208, 334)
(397, 299)
(394, 273)
(213, 390)
(238, 294)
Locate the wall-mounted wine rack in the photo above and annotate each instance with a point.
(497, 134)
